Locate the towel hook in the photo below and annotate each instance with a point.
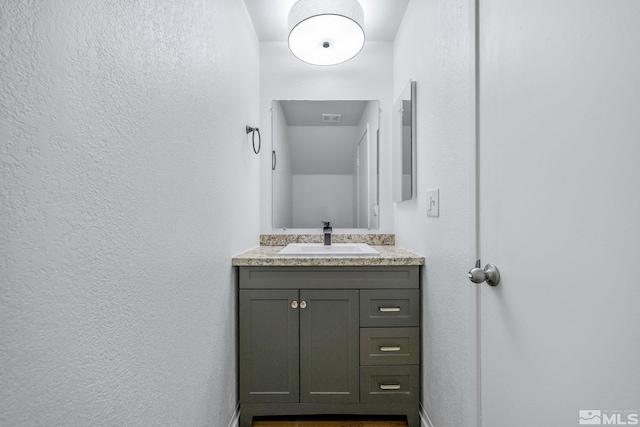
(253, 131)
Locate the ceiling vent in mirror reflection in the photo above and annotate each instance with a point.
(331, 118)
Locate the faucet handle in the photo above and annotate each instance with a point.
(327, 230)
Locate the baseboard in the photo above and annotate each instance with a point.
(424, 418)
(235, 418)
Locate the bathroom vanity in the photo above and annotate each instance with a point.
(329, 335)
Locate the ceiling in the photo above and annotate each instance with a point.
(381, 18)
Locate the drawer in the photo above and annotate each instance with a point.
(389, 384)
(389, 307)
(389, 346)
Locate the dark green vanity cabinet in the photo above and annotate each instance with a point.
(299, 346)
(329, 340)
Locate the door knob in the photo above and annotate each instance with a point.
(489, 274)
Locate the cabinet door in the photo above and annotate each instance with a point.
(269, 346)
(329, 346)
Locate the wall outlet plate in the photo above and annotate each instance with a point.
(433, 202)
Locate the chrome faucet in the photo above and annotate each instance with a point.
(327, 230)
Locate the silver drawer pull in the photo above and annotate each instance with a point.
(389, 309)
(389, 386)
(390, 348)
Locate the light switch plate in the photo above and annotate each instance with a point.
(433, 202)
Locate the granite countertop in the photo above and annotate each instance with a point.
(267, 255)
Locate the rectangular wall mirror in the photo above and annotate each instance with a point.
(404, 144)
(325, 164)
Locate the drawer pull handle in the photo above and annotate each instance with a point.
(389, 309)
(390, 348)
(389, 386)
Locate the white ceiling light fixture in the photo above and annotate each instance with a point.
(326, 32)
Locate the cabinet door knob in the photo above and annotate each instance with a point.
(303, 304)
(294, 304)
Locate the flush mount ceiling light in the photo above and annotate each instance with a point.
(326, 32)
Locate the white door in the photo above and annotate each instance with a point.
(559, 211)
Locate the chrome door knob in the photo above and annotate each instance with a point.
(489, 274)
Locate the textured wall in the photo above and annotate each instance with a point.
(434, 46)
(127, 183)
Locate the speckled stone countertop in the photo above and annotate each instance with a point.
(285, 239)
(267, 255)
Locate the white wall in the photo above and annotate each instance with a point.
(434, 47)
(323, 149)
(368, 76)
(127, 184)
(310, 195)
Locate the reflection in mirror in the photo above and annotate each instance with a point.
(404, 144)
(325, 163)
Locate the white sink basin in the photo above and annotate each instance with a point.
(335, 249)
